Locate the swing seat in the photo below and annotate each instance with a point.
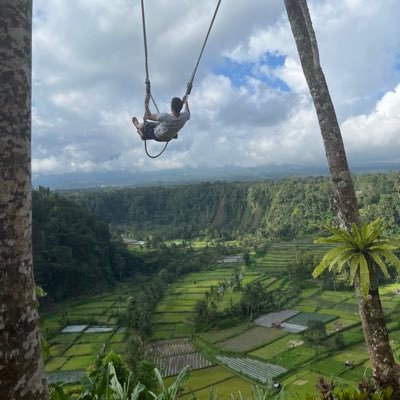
(147, 133)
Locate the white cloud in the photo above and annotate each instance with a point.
(291, 73)
(88, 81)
(376, 136)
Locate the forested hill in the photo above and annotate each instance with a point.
(281, 209)
(73, 252)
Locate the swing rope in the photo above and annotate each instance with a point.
(148, 87)
(189, 84)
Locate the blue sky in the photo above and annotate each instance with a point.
(240, 72)
(250, 103)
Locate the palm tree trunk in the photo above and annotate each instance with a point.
(385, 370)
(21, 364)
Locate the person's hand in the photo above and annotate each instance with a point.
(184, 99)
(147, 99)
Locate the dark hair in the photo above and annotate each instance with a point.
(176, 104)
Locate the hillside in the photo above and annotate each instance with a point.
(73, 251)
(279, 209)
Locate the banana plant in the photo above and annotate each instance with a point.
(171, 392)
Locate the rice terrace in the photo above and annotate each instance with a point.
(269, 348)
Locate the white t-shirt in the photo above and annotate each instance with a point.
(169, 125)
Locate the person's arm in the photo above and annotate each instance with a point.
(186, 103)
(147, 112)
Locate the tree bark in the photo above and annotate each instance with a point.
(21, 364)
(385, 370)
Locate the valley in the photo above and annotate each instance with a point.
(250, 351)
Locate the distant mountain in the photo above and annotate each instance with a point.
(188, 175)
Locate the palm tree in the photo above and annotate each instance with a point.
(385, 370)
(20, 356)
(357, 249)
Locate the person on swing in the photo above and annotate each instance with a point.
(167, 125)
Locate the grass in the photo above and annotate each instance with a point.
(225, 389)
(171, 317)
(215, 336)
(357, 373)
(93, 304)
(117, 338)
(119, 348)
(304, 317)
(342, 314)
(354, 355)
(329, 367)
(275, 348)
(204, 377)
(251, 339)
(94, 338)
(171, 331)
(86, 309)
(348, 307)
(65, 338)
(165, 308)
(78, 362)
(82, 349)
(55, 363)
(353, 336)
(58, 349)
(301, 384)
(344, 323)
(294, 358)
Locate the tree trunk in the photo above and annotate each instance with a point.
(21, 364)
(385, 370)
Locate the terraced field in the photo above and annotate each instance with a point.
(76, 352)
(173, 317)
(92, 327)
(171, 356)
(262, 372)
(215, 379)
(277, 354)
(251, 339)
(281, 254)
(172, 365)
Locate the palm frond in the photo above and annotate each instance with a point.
(357, 235)
(364, 275)
(392, 258)
(379, 262)
(343, 261)
(354, 263)
(319, 269)
(375, 229)
(382, 246)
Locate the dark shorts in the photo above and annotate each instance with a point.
(148, 133)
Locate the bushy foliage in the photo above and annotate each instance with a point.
(73, 251)
(168, 263)
(279, 209)
(366, 391)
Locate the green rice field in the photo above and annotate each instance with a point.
(174, 314)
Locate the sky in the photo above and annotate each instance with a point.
(250, 104)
